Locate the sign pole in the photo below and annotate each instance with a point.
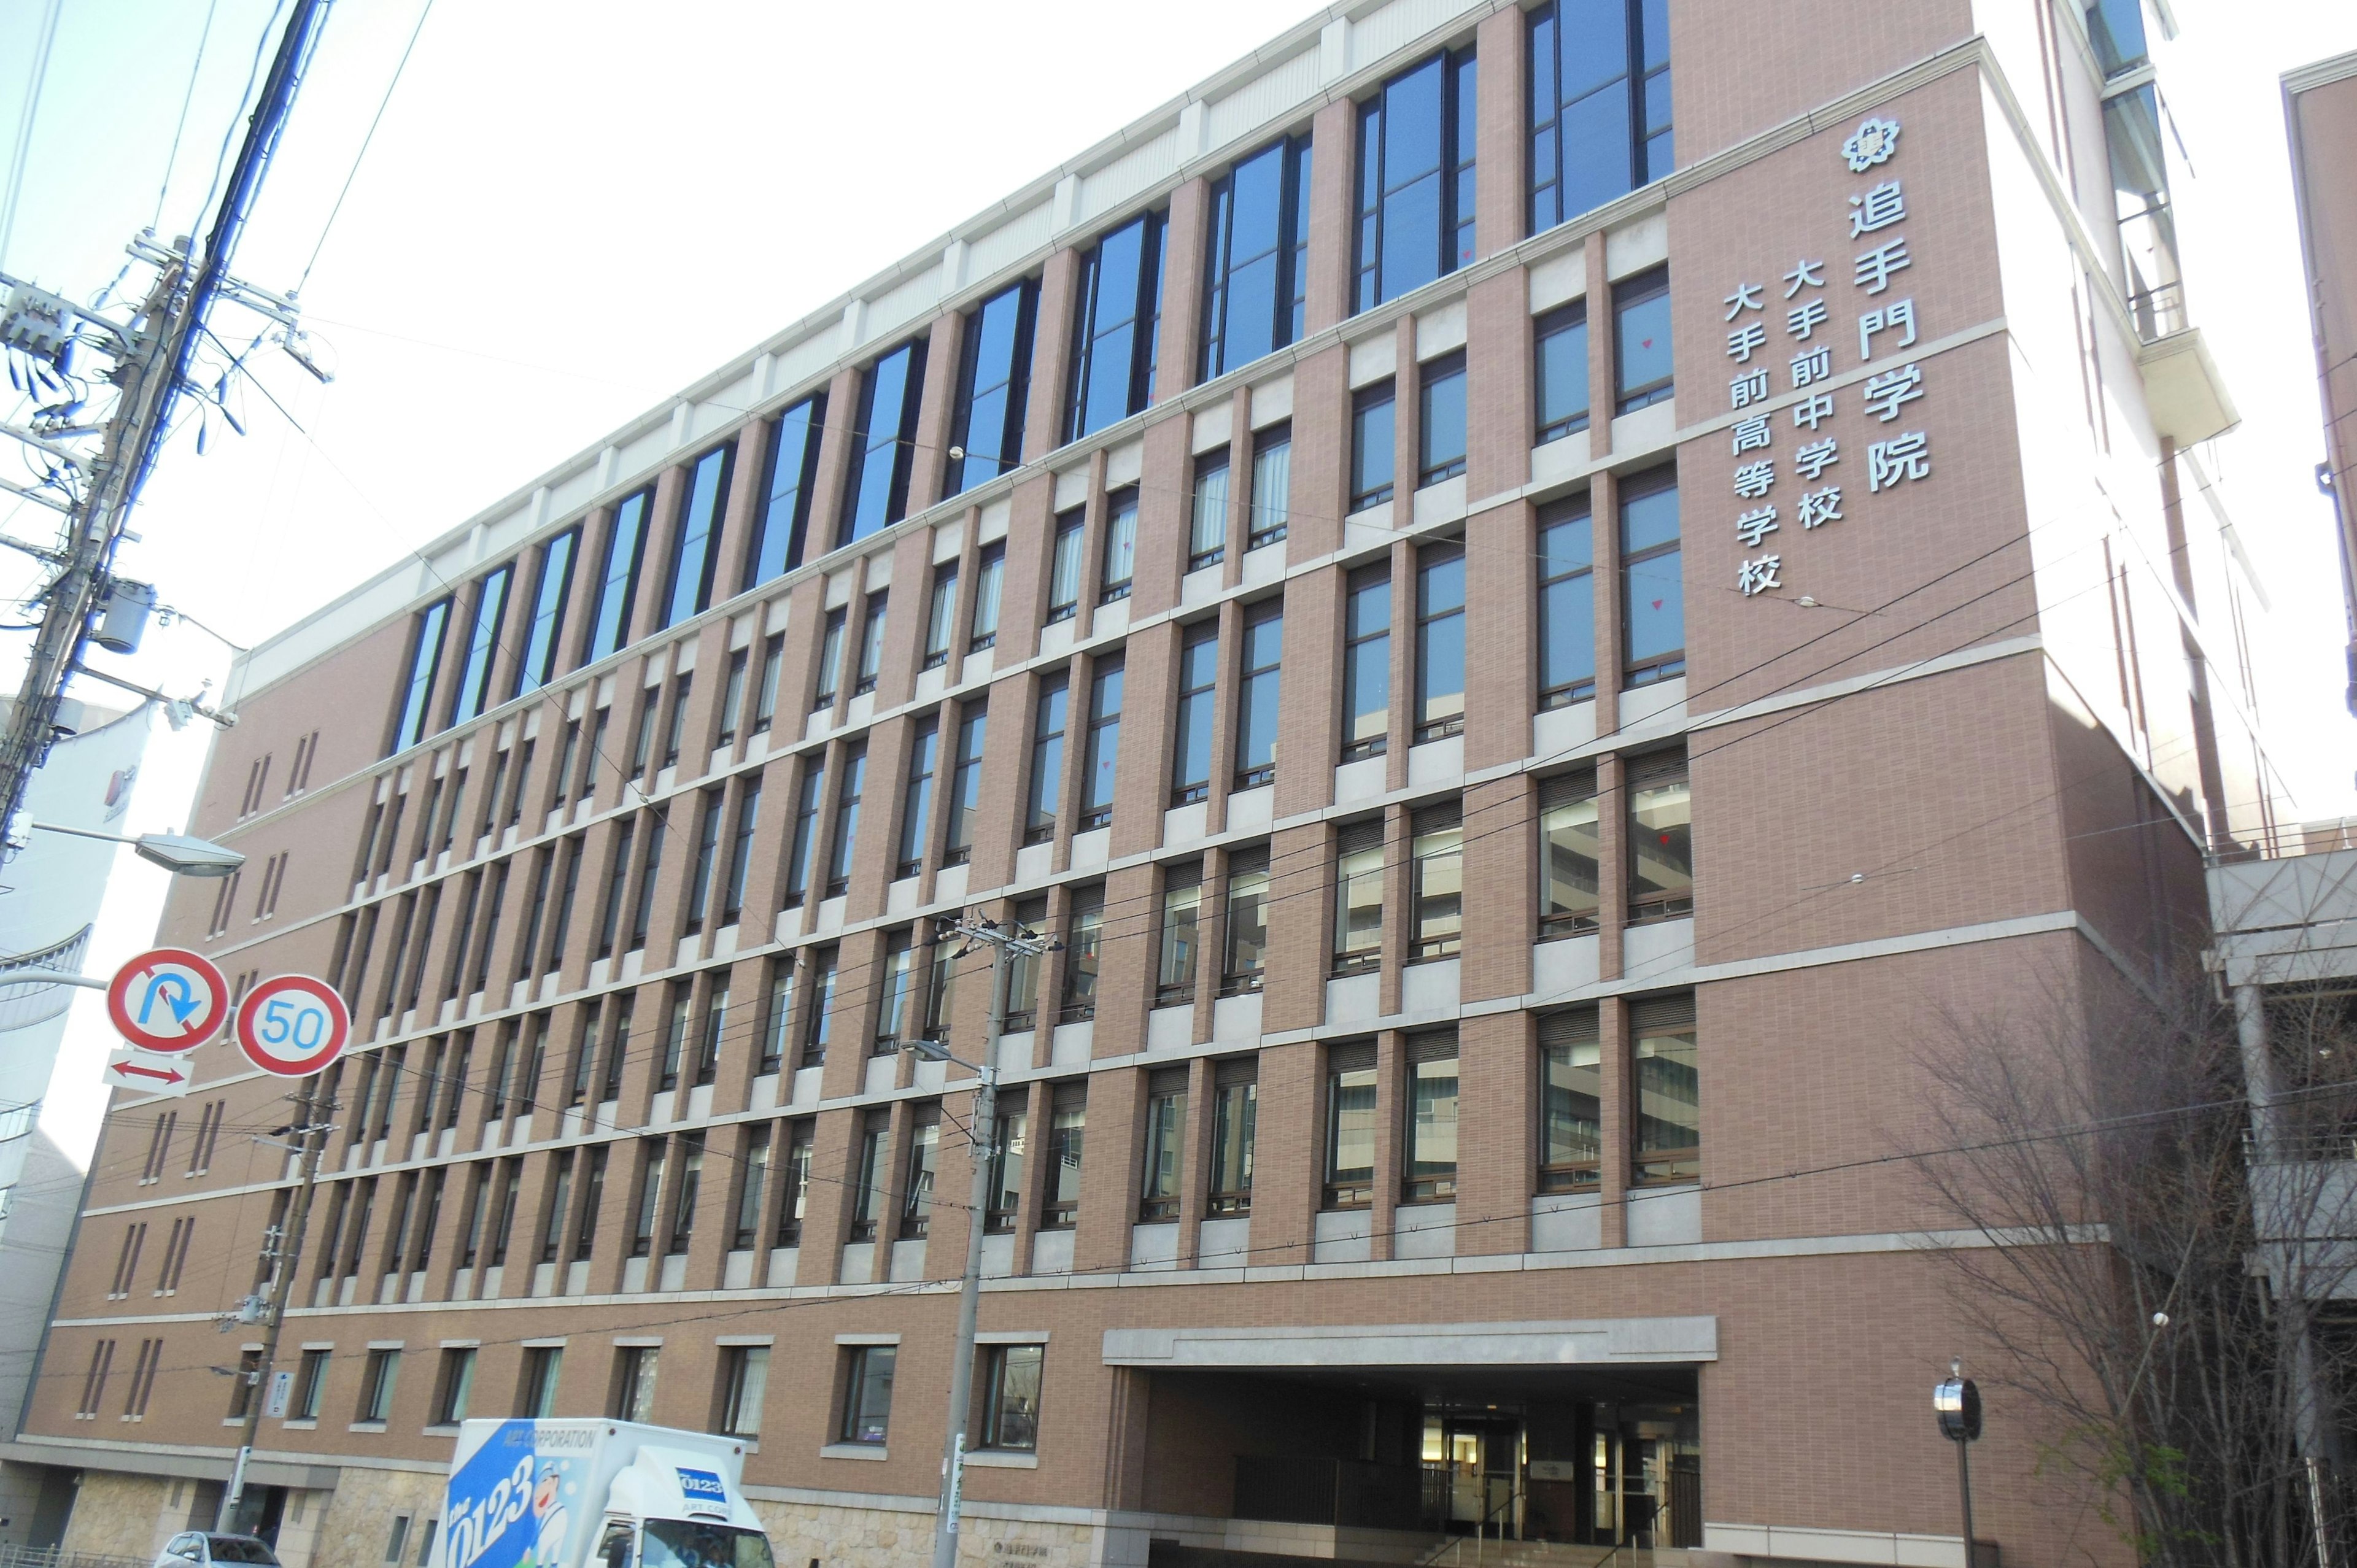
(283, 1267)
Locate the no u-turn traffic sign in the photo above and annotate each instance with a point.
(169, 999)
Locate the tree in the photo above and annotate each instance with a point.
(2174, 1332)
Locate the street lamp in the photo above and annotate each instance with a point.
(1957, 1404)
(182, 855)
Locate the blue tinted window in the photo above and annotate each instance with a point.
(883, 443)
(1567, 607)
(482, 645)
(1561, 355)
(1640, 342)
(1199, 676)
(776, 547)
(2116, 29)
(994, 385)
(1371, 459)
(1114, 324)
(1415, 178)
(1652, 585)
(425, 663)
(548, 601)
(1599, 81)
(1440, 453)
(696, 549)
(618, 581)
(1253, 278)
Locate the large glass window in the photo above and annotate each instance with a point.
(1569, 886)
(923, 1169)
(1661, 837)
(617, 578)
(1254, 276)
(1440, 449)
(1198, 675)
(744, 1383)
(1119, 566)
(783, 527)
(1065, 566)
(1161, 1181)
(871, 644)
(883, 443)
(696, 548)
(818, 1013)
(896, 984)
(830, 658)
(794, 1178)
(805, 839)
(1350, 1125)
(550, 596)
(1083, 954)
(1358, 897)
(1207, 526)
(917, 800)
(424, 664)
(1560, 350)
(1571, 1113)
(1642, 370)
(1067, 1131)
(1668, 1084)
(1431, 1175)
(1599, 81)
(1182, 910)
(871, 1173)
(994, 387)
(1566, 603)
(707, 860)
(1272, 485)
(1373, 452)
(1653, 581)
(474, 693)
(1010, 1408)
(1437, 872)
(1103, 749)
(1367, 663)
(940, 615)
(1256, 699)
(847, 821)
(1440, 643)
(1416, 142)
(649, 868)
(1047, 762)
(990, 576)
(1247, 952)
(2116, 29)
(1006, 1170)
(1235, 1107)
(965, 787)
(868, 1394)
(740, 852)
(1116, 317)
(2132, 131)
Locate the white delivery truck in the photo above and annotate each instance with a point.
(596, 1494)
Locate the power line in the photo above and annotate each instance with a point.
(164, 186)
(354, 173)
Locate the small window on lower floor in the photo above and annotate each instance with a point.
(634, 1383)
(454, 1385)
(377, 1380)
(868, 1394)
(1010, 1411)
(744, 1380)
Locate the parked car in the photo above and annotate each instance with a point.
(202, 1549)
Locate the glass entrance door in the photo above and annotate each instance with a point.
(1484, 1457)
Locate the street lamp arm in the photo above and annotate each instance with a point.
(50, 977)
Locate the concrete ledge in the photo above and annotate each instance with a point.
(1626, 1340)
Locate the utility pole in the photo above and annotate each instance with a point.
(151, 376)
(285, 1266)
(1005, 945)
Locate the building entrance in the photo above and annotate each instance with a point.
(1473, 1473)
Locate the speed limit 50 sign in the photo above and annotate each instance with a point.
(293, 1025)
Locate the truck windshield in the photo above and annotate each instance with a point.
(679, 1543)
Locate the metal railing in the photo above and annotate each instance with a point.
(1452, 1552)
(23, 1003)
(15, 1555)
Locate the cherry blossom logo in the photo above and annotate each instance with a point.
(1872, 142)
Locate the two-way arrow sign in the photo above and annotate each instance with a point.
(148, 1072)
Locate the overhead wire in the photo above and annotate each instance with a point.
(354, 173)
(171, 160)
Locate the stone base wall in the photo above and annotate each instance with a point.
(356, 1525)
(848, 1536)
(118, 1515)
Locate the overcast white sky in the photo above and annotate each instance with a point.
(569, 212)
